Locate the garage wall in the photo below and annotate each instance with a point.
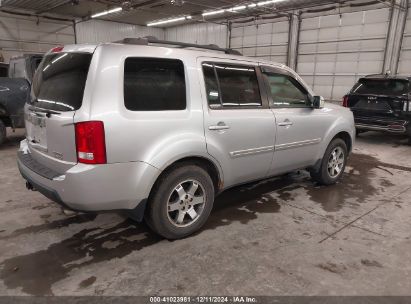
(199, 33)
(95, 31)
(335, 50)
(268, 41)
(20, 35)
(404, 66)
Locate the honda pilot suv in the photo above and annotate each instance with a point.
(159, 128)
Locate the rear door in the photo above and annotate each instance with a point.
(239, 126)
(57, 93)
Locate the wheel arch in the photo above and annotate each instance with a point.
(342, 134)
(346, 137)
(210, 166)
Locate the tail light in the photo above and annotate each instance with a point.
(396, 127)
(90, 142)
(57, 49)
(345, 101)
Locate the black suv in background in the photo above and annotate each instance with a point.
(381, 103)
(15, 90)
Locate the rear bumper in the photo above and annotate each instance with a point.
(385, 125)
(380, 128)
(120, 186)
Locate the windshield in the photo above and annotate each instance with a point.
(393, 87)
(60, 80)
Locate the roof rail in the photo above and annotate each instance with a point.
(373, 75)
(153, 40)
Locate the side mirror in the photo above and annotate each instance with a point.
(318, 102)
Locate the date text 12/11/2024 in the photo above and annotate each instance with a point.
(203, 299)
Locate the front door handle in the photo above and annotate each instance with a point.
(220, 126)
(285, 123)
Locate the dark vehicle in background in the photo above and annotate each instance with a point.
(15, 91)
(381, 103)
(4, 69)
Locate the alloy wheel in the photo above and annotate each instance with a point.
(336, 162)
(186, 203)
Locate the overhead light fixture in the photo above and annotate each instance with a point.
(114, 10)
(213, 13)
(169, 21)
(237, 8)
(241, 7)
(262, 3)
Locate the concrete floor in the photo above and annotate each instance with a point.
(278, 237)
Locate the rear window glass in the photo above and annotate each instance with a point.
(381, 87)
(152, 84)
(60, 80)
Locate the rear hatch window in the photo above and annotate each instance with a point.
(59, 82)
(387, 87)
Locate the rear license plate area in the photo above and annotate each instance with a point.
(36, 130)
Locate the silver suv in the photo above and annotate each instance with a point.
(160, 128)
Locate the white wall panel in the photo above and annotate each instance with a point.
(96, 31)
(199, 33)
(20, 35)
(268, 41)
(404, 66)
(335, 50)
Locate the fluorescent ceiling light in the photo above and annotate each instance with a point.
(114, 10)
(169, 21)
(237, 8)
(252, 5)
(268, 2)
(213, 12)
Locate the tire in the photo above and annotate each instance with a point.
(323, 175)
(2, 132)
(176, 214)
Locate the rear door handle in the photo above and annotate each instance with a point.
(220, 126)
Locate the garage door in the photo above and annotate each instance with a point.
(404, 66)
(267, 41)
(336, 50)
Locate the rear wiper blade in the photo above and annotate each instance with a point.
(41, 110)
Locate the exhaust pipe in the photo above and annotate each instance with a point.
(29, 186)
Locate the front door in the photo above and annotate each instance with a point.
(300, 127)
(239, 125)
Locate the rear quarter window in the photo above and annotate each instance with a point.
(154, 84)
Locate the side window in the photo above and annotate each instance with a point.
(154, 84)
(286, 92)
(212, 90)
(231, 85)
